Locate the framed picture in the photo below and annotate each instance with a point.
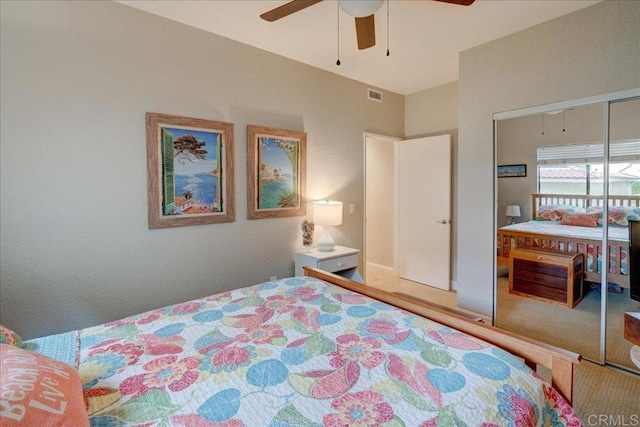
(511, 171)
(276, 172)
(189, 171)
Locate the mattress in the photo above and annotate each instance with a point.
(554, 228)
(63, 347)
(300, 352)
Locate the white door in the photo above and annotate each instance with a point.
(424, 210)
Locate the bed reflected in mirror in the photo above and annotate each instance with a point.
(550, 259)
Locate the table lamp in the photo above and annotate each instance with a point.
(513, 212)
(327, 213)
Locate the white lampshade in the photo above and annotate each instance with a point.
(327, 212)
(360, 8)
(513, 210)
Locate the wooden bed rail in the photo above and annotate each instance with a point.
(591, 249)
(559, 361)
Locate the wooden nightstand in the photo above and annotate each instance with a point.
(341, 260)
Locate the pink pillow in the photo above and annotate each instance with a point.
(580, 219)
(549, 215)
(554, 212)
(618, 215)
(39, 391)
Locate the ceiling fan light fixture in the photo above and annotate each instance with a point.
(360, 8)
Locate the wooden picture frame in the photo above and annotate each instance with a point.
(512, 171)
(276, 172)
(195, 185)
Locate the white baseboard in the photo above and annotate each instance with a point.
(380, 266)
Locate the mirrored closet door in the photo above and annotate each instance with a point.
(534, 300)
(624, 181)
(561, 270)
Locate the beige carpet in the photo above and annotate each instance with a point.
(604, 391)
(602, 395)
(576, 329)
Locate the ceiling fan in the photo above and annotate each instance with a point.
(361, 10)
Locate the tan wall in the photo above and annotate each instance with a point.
(586, 53)
(431, 110)
(76, 81)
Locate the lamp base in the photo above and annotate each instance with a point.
(326, 242)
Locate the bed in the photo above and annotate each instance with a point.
(310, 351)
(556, 237)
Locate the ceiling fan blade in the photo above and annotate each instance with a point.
(287, 9)
(366, 32)
(459, 2)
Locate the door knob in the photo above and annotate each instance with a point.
(444, 221)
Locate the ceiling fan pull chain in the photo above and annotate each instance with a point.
(338, 19)
(363, 11)
(388, 1)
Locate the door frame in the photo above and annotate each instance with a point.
(393, 140)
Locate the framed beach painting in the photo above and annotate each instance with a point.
(189, 171)
(276, 172)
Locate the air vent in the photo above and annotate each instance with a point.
(374, 95)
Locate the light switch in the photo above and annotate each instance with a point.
(352, 208)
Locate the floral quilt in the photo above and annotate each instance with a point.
(302, 352)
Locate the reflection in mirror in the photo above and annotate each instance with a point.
(551, 261)
(624, 180)
(541, 293)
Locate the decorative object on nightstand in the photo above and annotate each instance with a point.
(341, 260)
(513, 212)
(327, 213)
(307, 234)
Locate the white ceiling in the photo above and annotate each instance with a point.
(425, 36)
